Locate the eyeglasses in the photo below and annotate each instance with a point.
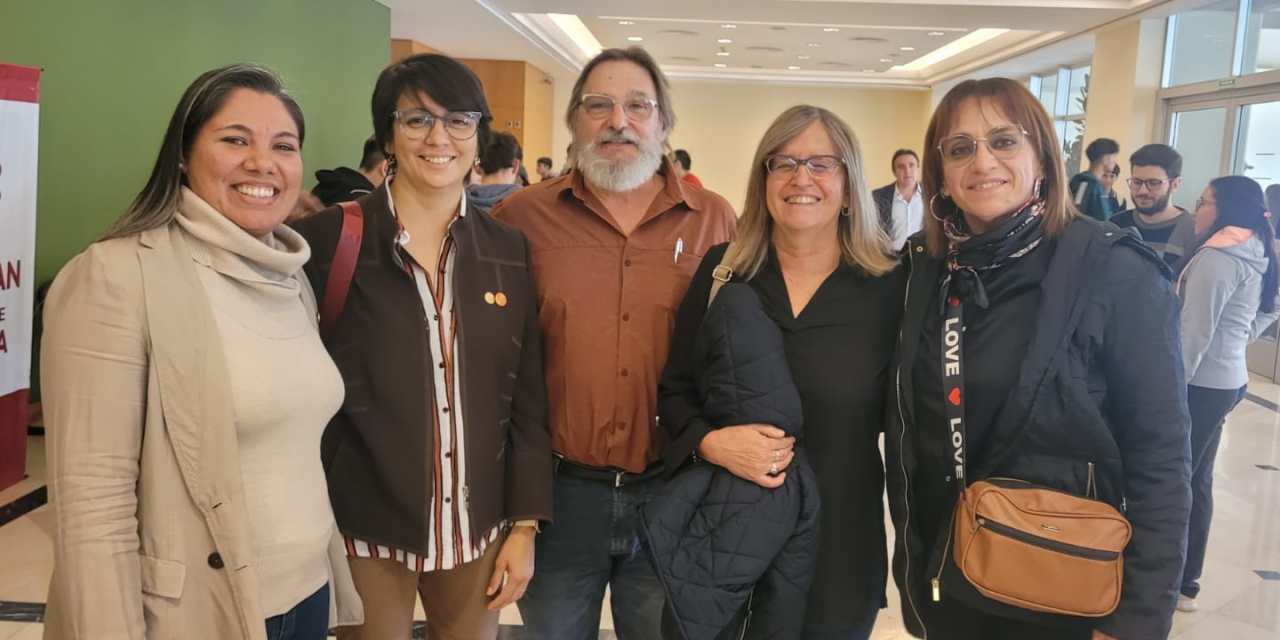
(598, 106)
(1151, 184)
(961, 149)
(818, 166)
(418, 123)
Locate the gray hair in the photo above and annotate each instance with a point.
(640, 58)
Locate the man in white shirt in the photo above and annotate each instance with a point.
(901, 204)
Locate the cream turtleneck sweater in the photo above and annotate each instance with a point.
(284, 388)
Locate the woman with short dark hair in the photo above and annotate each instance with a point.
(186, 390)
(439, 461)
(1016, 374)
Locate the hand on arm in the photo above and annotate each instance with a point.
(756, 452)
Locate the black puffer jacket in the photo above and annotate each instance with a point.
(1101, 382)
(719, 542)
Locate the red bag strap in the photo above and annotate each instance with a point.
(343, 268)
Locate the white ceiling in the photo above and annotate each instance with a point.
(844, 42)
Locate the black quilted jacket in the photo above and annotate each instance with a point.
(720, 543)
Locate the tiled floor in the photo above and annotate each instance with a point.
(1236, 602)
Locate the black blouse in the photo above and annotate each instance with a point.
(995, 339)
(839, 351)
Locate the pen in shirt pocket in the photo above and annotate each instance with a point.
(679, 249)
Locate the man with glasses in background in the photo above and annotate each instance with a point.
(1156, 173)
(614, 245)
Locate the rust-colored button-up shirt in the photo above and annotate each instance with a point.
(607, 302)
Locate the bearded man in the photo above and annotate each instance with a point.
(1156, 171)
(614, 244)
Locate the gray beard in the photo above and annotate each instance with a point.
(618, 177)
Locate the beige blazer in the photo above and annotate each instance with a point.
(152, 535)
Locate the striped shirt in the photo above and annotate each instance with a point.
(448, 521)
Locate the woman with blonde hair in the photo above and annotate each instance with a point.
(1015, 370)
(811, 248)
(186, 390)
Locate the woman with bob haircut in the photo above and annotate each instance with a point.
(439, 461)
(1011, 364)
(811, 247)
(186, 390)
(1228, 292)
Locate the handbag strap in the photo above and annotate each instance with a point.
(343, 268)
(721, 274)
(953, 384)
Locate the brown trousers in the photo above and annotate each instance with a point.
(454, 600)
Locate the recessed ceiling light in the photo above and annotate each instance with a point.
(721, 65)
(814, 45)
(728, 26)
(831, 29)
(723, 54)
(625, 23)
(907, 48)
(725, 40)
(793, 67)
(804, 57)
(937, 33)
(886, 59)
(635, 38)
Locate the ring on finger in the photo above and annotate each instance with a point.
(777, 455)
(773, 469)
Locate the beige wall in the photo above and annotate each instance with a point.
(721, 123)
(1124, 84)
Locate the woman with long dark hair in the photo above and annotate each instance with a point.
(1228, 291)
(186, 390)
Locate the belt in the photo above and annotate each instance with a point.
(615, 477)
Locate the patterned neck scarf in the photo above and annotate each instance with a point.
(968, 255)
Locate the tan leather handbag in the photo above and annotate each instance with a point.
(1041, 549)
(1022, 544)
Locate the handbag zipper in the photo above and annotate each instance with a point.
(1046, 543)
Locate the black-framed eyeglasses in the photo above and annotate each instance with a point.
(598, 106)
(818, 166)
(418, 123)
(961, 149)
(1150, 184)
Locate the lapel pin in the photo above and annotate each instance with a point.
(489, 298)
(500, 299)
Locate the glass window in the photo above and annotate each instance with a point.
(1072, 135)
(1258, 146)
(1049, 91)
(1262, 37)
(1078, 96)
(1197, 135)
(1202, 43)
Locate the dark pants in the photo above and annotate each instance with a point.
(1209, 407)
(308, 620)
(594, 542)
(734, 630)
(951, 620)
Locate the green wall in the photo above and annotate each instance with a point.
(114, 70)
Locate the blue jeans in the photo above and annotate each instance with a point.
(594, 542)
(309, 620)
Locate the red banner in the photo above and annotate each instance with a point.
(19, 134)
